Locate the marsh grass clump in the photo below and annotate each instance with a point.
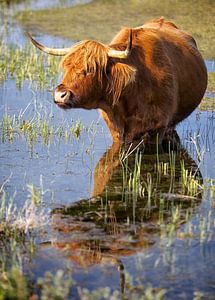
(167, 185)
(132, 178)
(16, 246)
(7, 210)
(168, 231)
(55, 286)
(17, 222)
(34, 194)
(211, 81)
(13, 285)
(191, 184)
(202, 226)
(139, 181)
(17, 232)
(74, 130)
(131, 292)
(37, 129)
(195, 224)
(28, 64)
(31, 216)
(7, 128)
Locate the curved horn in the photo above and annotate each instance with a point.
(122, 54)
(52, 51)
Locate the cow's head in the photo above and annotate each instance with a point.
(93, 73)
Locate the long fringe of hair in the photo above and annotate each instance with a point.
(92, 56)
(121, 76)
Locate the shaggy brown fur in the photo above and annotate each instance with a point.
(161, 82)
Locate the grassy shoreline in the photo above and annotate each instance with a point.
(101, 19)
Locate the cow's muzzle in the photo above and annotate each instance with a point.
(63, 97)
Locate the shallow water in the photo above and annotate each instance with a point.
(97, 228)
(57, 160)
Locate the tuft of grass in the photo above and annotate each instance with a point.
(132, 178)
(211, 82)
(13, 285)
(37, 129)
(28, 64)
(16, 221)
(137, 184)
(17, 246)
(207, 104)
(55, 286)
(191, 185)
(131, 292)
(101, 19)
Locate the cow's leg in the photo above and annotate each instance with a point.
(114, 132)
(105, 168)
(152, 132)
(171, 139)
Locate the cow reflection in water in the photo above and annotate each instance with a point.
(121, 219)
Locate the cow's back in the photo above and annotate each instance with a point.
(169, 63)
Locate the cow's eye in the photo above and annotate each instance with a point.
(84, 73)
(81, 73)
(89, 73)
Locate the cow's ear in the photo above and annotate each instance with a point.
(120, 76)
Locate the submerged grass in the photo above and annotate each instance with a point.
(13, 285)
(92, 20)
(17, 221)
(28, 64)
(137, 185)
(37, 129)
(17, 244)
(132, 292)
(59, 285)
(42, 69)
(17, 247)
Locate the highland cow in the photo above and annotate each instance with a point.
(146, 81)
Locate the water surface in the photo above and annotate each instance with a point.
(97, 227)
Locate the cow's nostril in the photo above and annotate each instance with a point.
(63, 94)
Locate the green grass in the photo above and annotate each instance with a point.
(170, 219)
(42, 70)
(38, 129)
(133, 292)
(8, 2)
(208, 104)
(211, 82)
(139, 182)
(28, 64)
(13, 285)
(102, 19)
